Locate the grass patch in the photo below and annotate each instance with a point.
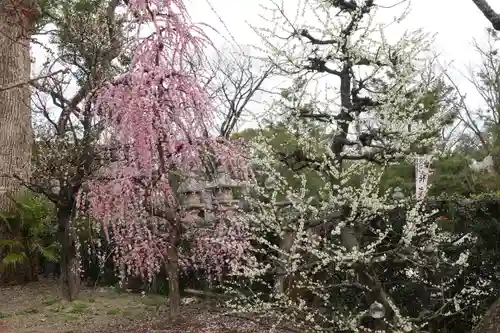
(30, 311)
(153, 300)
(50, 300)
(34, 308)
(38, 308)
(78, 308)
(69, 317)
(128, 313)
(114, 311)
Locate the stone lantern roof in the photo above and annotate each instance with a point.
(223, 180)
(191, 185)
(192, 190)
(398, 194)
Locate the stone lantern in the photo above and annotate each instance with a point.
(377, 310)
(398, 194)
(208, 207)
(223, 187)
(190, 190)
(55, 186)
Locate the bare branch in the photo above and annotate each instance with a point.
(305, 33)
(235, 83)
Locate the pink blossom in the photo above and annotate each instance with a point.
(160, 116)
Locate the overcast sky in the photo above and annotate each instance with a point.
(455, 22)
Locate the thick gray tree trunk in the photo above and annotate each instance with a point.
(489, 13)
(16, 134)
(70, 265)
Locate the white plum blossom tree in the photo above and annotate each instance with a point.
(345, 256)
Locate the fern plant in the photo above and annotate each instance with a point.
(29, 234)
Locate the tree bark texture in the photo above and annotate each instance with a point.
(16, 133)
(285, 246)
(70, 270)
(489, 13)
(174, 293)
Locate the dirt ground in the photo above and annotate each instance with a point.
(37, 308)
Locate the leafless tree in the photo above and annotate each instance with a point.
(480, 124)
(237, 83)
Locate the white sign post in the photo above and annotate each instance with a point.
(422, 172)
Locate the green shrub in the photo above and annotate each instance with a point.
(28, 234)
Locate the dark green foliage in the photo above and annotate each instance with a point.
(28, 235)
(452, 176)
(285, 144)
(401, 175)
(480, 217)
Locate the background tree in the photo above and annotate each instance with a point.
(236, 83)
(478, 138)
(241, 83)
(488, 88)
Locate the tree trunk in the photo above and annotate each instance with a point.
(70, 270)
(16, 133)
(31, 269)
(281, 276)
(174, 293)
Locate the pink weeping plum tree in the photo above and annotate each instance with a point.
(160, 117)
